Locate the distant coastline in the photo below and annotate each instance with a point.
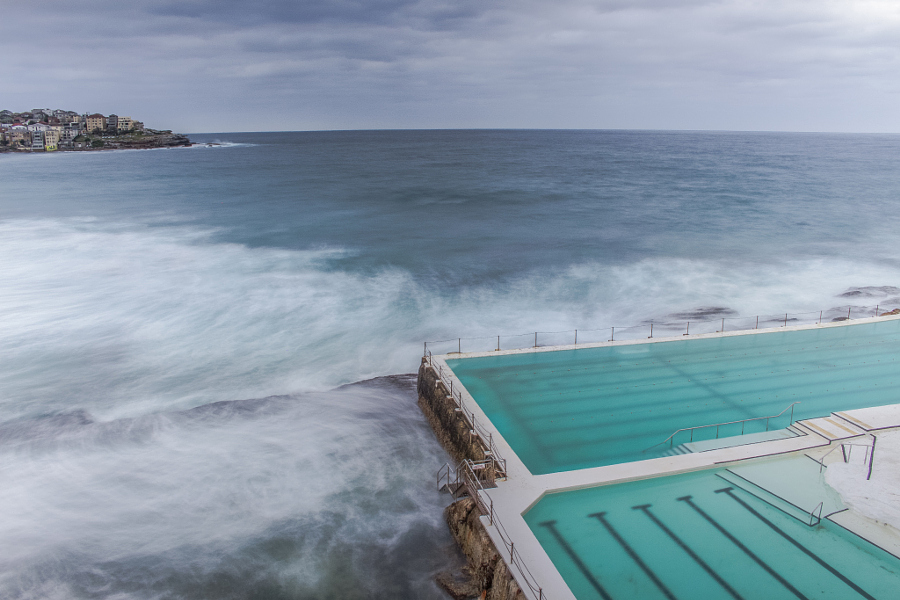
(54, 130)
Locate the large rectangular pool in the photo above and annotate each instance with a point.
(574, 409)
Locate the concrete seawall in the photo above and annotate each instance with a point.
(486, 575)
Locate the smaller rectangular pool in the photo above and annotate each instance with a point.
(698, 536)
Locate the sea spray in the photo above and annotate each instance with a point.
(323, 495)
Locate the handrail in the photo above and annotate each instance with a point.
(867, 459)
(486, 437)
(820, 506)
(479, 493)
(717, 425)
(779, 320)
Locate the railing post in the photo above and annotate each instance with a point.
(723, 325)
(613, 338)
(651, 331)
(459, 346)
(425, 352)
(576, 337)
(757, 322)
(785, 319)
(871, 458)
(820, 317)
(849, 308)
(687, 330)
(498, 343)
(535, 339)
(876, 310)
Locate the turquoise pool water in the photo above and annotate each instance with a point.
(590, 407)
(698, 537)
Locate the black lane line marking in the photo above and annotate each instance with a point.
(551, 525)
(634, 556)
(798, 545)
(687, 500)
(691, 553)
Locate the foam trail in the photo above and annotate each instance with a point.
(320, 495)
(122, 320)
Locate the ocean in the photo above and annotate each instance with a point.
(205, 353)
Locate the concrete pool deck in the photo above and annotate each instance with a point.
(520, 490)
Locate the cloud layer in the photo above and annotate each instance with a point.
(200, 65)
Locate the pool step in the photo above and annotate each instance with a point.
(831, 428)
(677, 450)
(794, 486)
(766, 496)
(740, 440)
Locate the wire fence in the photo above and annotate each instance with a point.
(669, 327)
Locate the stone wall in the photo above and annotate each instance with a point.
(450, 428)
(486, 575)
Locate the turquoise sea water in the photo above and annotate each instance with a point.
(684, 537)
(574, 409)
(175, 326)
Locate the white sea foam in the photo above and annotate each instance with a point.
(123, 321)
(325, 481)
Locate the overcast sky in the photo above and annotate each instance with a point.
(223, 65)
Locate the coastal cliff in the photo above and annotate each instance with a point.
(486, 576)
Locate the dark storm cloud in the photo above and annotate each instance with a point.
(202, 64)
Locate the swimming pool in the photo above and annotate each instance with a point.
(589, 407)
(698, 536)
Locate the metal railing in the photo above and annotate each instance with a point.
(743, 422)
(475, 487)
(668, 326)
(485, 436)
(868, 458)
(812, 515)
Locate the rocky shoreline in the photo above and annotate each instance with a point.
(486, 576)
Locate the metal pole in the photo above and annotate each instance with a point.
(848, 312)
(876, 310)
(687, 330)
(459, 347)
(651, 330)
(820, 317)
(785, 319)
(576, 337)
(723, 324)
(498, 343)
(613, 338)
(757, 321)
(535, 339)
(871, 458)
(425, 352)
